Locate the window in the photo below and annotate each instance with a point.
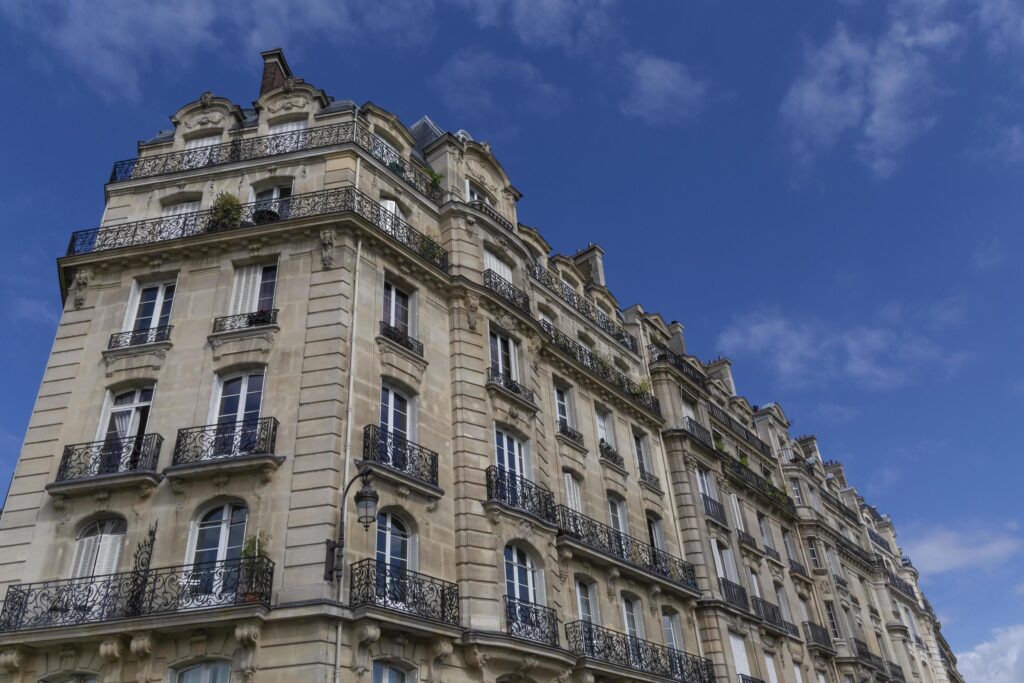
(586, 602)
(672, 629)
(503, 356)
(495, 264)
(563, 406)
(812, 552)
(520, 575)
(755, 584)
(787, 541)
(783, 601)
(643, 456)
(655, 535)
(812, 493)
(288, 127)
(617, 514)
(238, 413)
(739, 654)
(798, 675)
(572, 492)
(509, 453)
(394, 412)
(201, 154)
(153, 310)
(689, 408)
(605, 429)
(396, 308)
(706, 483)
(254, 289)
(725, 562)
(718, 440)
(833, 623)
(766, 531)
(474, 193)
(203, 141)
(98, 549)
(738, 512)
(217, 540)
(833, 563)
(633, 617)
(127, 416)
(769, 667)
(384, 672)
(820, 676)
(207, 672)
(273, 203)
(393, 217)
(794, 486)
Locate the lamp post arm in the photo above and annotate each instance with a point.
(334, 563)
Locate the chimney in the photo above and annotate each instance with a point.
(275, 70)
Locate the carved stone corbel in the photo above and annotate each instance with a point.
(83, 276)
(613, 575)
(247, 634)
(564, 556)
(328, 239)
(562, 677)
(530, 663)
(12, 661)
(478, 660)
(653, 599)
(366, 636)
(142, 647)
(112, 651)
(440, 653)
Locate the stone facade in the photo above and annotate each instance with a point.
(565, 494)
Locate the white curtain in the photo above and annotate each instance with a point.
(247, 284)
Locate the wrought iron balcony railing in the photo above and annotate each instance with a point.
(486, 209)
(817, 636)
(530, 621)
(737, 427)
(139, 593)
(895, 671)
(771, 552)
(902, 585)
(615, 544)
(110, 456)
(595, 642)
(734, 594)
(609, 453)
(877, 539)
(714, 509)
(507, 291)
(398, 453)
(121, 340)
(600, 368)
(220, 441)
(797, 568)
(649, 477)
(743, 678)
(245, 321)
(852, 549)
(841, 506)
(841, 581)
(746, 539)
(378, 584)
(505, 381)
(770, 613)
(586, 307)
(521, 493)
(568, 432)
(865, 655)
(401, 337)
(245, 149)
(698, 431)
(658, 353)
(342, 200)
(759, 484)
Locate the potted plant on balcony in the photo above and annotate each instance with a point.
(226, 213)
(435, 177)
(251, 568)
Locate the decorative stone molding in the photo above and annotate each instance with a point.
(366, 635)
(13, 659)
(478, 660)
(83, 276)
(247, 634)
(562, 677)
(328, 239)
(248, 345)
(564, 558)
(142, 647)
(140, 362)
(400, 363)
(112, 651)
(439, 654)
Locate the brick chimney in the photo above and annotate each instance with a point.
(275, 70)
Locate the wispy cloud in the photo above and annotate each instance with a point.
(662, 91)
(1002, 24)
(877, 91)
(997, 660)
(988, 255)
(573, 25)
(473, 77)
(940, 550)
(880, 355)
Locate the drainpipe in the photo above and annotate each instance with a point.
(347, 453)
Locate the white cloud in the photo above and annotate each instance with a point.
(1019, 589)
(987, 255)
(1009, 144)
(471, 78)
(876, 91)
(1002, 23)
(573, 25)
(997, 660)
(941, 550)
(662, 91)
(884, 354)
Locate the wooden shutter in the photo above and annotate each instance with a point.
(739, 654)
(85, 556)
(247, 283)
(108, 554)
(492, 262)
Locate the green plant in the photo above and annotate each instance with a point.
(226, 213)
(255, 545)
(645, 385)
(435, 177)
(397, 167)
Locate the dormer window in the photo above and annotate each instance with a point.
(273, 203)
(287, 143)
(475, 193)
(202, 141)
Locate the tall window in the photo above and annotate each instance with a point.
(217, 546)
(755, 584)
(207, 672)
(125, 427)
(563, 406)
(392, 217)
(780, 597)
(396, 308)
(633, 621)
(739, 654)
(273, 203)
(787, 541)
(738, 512)
(98, 548)
(509, 453)
(383, 672)
(672, 629)
(153, 309)
(643, 456)
(833, 621)
(520, 575)
(812, 552)
(474, 193)
(394, 412)
(238, 413)
(706, 483)
(500, 268)
(254, 289)
(503, 356)
(798, 675)
(794, 486)
(393, 558)
(655, 534)
(605, 431)
(572, 492)
(766, 531)
(769, 666)
(586, 602)
(617, 514)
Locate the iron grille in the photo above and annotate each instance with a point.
(530, 621)
(596, 642)
(244, 321)
(507, 291)
(398, 453)
(120, 340)
(231, 440)
(520, 493)
(383, 585)
(110, 456)
(401, 337)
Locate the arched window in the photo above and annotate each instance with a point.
(238, 413)
(587, 607)
(218, 538)
(205, 672)
(386, 672)
(98, 548)
(524, 591)
(520, 575)
(393, 559)
(121, 432)
(77, 678)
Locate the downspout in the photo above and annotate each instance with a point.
(347, 453)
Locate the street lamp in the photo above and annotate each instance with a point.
(366, 508)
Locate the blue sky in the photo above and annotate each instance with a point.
(828, 192)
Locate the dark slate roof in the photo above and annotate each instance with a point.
(336, 106)
(161, 136)
(425, 131)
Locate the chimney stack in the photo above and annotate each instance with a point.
(275, 70)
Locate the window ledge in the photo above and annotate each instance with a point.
(249, 340)
(613, 467)
(402, 480)
(657, 490)
(570, 443)
(139, 356)
(266, 465)
(146, 481)
(496, 389)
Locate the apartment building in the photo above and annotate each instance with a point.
(320, 407)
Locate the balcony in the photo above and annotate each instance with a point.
(140, 593)
(895, 671)
(108, 464)
(772, 616)
(486, 209)
(338, 201)
(609, 453)
(841, 582)
(772, 553)
(505, 381)
(737, 427)
(230, 446)
(584, 306)
(244, 321)
(600, 368)
(798, 569)
(507, 291)
(402, 338)
(877, 539)
(758, 484)
(397, 589)
(817, 637)
(649, 478)
(395, 452)
(714, 509)
(852, 549)
(574, 437)
(734, 594)
(530, 621)
(628, 652)
(699, 432)
(743, 678)
(746, 539)
(841, 506)
(521, 494)
(272, 145)
(616, 545)
(657, 353)
(902, 585)
(154, 335)
(865, 655)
